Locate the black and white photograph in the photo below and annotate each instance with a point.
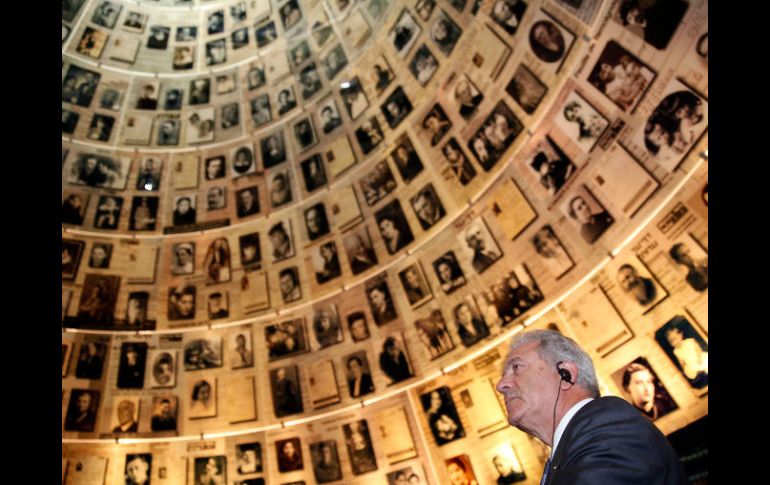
(638, 284)
(203, 398)
(357, 374)
(97, 300)
(289, 453)
(380, 300)
(621, 76)
(181, 302)
(273, 149)
(280, 188)
(588, 213)
(441, 413)
(405, 475)
(203, 353)
(158, 37)
(260, 110)
(298, 53)
(415, 285)
(549, 40)
(394, 361)
(138, 468)
(687, 349)
(479, 245)
(404, 33)
(70, 8)
(313, 173)
(326, 262)
(100, 255)
(424, 8)
(183, 258)
(642, 387)
(288, 282)
(334, 62)
(494, 137)
(551, 252)
(381, 75)
(360, 253)
(148, 177)
(581, 122)
(423, 65)
(108, 212)
(73, 208)
(251, 254)
(255, 76)
(287, 400)
(435, 124)
(691, 260)
(655, 22)
(225, 82)
(309, 81)
(377, 183)
(99, 171)
(285, 339)
(212, 469)
(136, 311)
(406, 159)
(200, 125)
(427, 206)
(69, 120)
(316, 221)
(551, 166)
(216, 198)
(92, 43)
(290, 14)
(79, 86)
(514, 293)
(329, 115)
(215, 22)
(168, 131)
(125, 418)
(131, 367)
(469, 322)
(184, 57)
(184, 210)
(326, 326)
(449, 273)
(281, 244)
(239, 38)
(326, 462)
(239, 349)
(434, 334)
(508, 13)
(676, 124)
(304, 133)
(200, 91)
(357, 326)
(111, 98)
(396, 107)
(285, 100)
(467, 97)
(249, 458)
(106, 14)
(359, 445)
(265, 34)
(243, 162)
(458, 162)
(164, 413)
(172, 100)
(321, 30)
(353, 97)
(90, 363)
(216, 265)
(229, 116)
(393, 227)
(369, 135)
(444, 32)
(186, 33)
(163, 368)
(81, 410)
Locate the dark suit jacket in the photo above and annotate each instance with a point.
(609, 442)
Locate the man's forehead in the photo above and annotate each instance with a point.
(523, 352)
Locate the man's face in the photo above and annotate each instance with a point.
(529, 386)
(388, 229)
(326, 114)
(183, 206)
(213, 169)
(278, 238)
(445, 272)
(125, 412)
(377, 298)
(287, 284)
(90, 164)
(164, 373)
(246, 198)
(185, 305)
(99, 254)
(313, 221)
(165, 409)
(424, 208)
(84, 402)
(628, 279)
(464, 314)
(358, 329)
(132, 357)
(214, 304)
(215, 197)
(641, 388)
(182, 256)
(475, 239)
(412, 278)
(249, 252)
(137, 470)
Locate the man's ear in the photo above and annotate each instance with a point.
(569, 374)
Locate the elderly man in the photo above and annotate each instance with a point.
(551, 392)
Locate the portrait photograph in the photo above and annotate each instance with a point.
(229, 116)
(285, 99)
(287, 395)
(90, 360)
(309, 81)
(181, 302)
(423, 65)
(326, 463)
(172, 100)
(100, 255)
(692, 261)
(358, 374)
(200, 91)
(313, 173)
(216, 264)
(289, 284)
(415, 285)
(381, 74)
(642, 388)
(424, 8)
(549, 40)
(304, 133)
(435, 125)
(394, 359)
(239, 349)
(81, 410)
(444, 32)
(353, 97)
(92, 43)
(106, 14)
(359, 445)
(433, 334)
(641, 289)
(290, 14)
(184, 57)
(377, 183)
(587, 213)
(675, 126)
(427, 206)
(135, 22)
(515, 293)
(406, 475)
(281, 245)
(687, 349)
(131, 367)
(251, 253)
(186, 33)
(406, 159)
(158, 37)
(285, 339)
(298, 53)
(334, 62)
(393, 226)
(70, 8)
(203, 353)
(216, 198)
(326, 262)
(107, 214)
(125, 415)
(467, 97)
(369, 135)
(326, 326)
(507, 14)
(396, 107)
(255, 76)
(99, 171)
(163, 364)
(493, 137)
(581, 122)
(203, 398)
(316, 221)
(621, 76)
(359, 249)
(218, 305)
(97, 300)
(329, 115)
(169, 128)
(69, 120)
(404, 33)
(449, 273)
(441, 413)
(469, 322)
(100, 128)
(200, 125)
(479, 245)
(380, 300)
(148, 175)
(279, 188)
(79, 86)
(249, 458)
(357, 326)
(212, 469)
(654, 22)
(138, 468)
(289, 453)
(551, 252)
(164, 412)
(71, 254)
(183, 258)
(260, 110)
(136, 311)
(266, 34)
(239, 38)
(273, 149)
(111, 97)
(506, 463)
(551, 166)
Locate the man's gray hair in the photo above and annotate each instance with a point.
(555, 347)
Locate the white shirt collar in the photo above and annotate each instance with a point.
(565, 421)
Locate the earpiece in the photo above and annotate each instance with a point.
(564, 373)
